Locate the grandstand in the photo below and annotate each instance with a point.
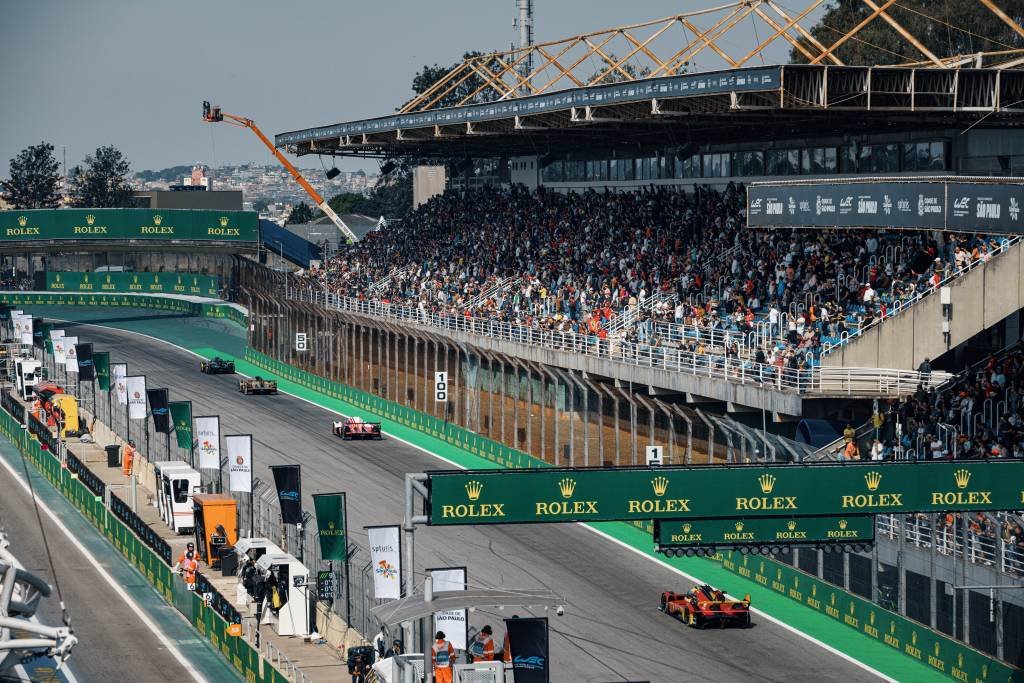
(595, 273)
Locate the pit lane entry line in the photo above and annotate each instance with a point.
(196, 676)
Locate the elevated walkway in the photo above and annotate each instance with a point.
(980, 298)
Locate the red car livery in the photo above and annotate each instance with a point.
(357, 428)
(703, 606)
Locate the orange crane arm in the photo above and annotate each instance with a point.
(213, 114)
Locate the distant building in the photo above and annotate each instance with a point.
(199, 178)
(222, 200)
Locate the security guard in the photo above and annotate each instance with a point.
(482, 647)
(443, 656)
(128, 459)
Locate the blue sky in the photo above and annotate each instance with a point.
(80, 74)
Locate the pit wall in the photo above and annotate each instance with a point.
(206, 621)
(945, 655)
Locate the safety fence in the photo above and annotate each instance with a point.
(904, 635)
(723, 366)
(925, 531)
(156, 568)
(86, 476)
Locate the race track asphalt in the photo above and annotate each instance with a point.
(114, 644)
(611, 630)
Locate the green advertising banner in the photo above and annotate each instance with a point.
(185, 225)
(565, 495)
(331, 525)
(720, 532)
(909, 637)
(181, 418)
(101, 359)
(142, 283)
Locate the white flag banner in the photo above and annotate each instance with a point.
(25, 331)
(386, 559)
(118, 374)
(239, 450)
(206, 432)
(136, 388)
(453, 621)
(59, 347)
(70, 355)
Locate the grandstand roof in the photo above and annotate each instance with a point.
(730, 105)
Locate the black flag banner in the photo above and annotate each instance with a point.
(161, 413)
(86, 367)
(528, 641)
(288, 479)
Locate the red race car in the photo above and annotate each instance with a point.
(704, 606)
(357, 428)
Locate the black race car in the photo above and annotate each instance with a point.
(217, 366)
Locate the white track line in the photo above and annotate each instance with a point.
(196, 676)
(584, 525)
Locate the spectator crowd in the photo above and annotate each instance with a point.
(680, 266)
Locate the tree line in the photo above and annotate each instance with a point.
(34, 181)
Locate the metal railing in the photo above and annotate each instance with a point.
(491, 291)
(902, 305)
(721, 366)
(629, 315)
(922, 531)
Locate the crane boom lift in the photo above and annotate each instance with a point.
(213, 114)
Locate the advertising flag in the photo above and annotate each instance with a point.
(54, 336)
(331, 524)
(136, 388)
(118, 372)
(181, 416)
(39, 329)
(239, 448)
(386, 559)
(288, 479)
(207, 435)
(86, 367)
(528, 640)
(58, 347)
(158, 409)
(22, 327)
(101, 362)
(70, 354)
(453, 621)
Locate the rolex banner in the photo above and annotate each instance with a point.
(136, 389)
(207, 438)
(70, 354)
(288, 479)
(453, 621)
(86, 366)
(118, 372)
(386, 559)
(181, 417)
(239, 448)
(101, 362)
(331, 524)
(158, 409)
(528, 640)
